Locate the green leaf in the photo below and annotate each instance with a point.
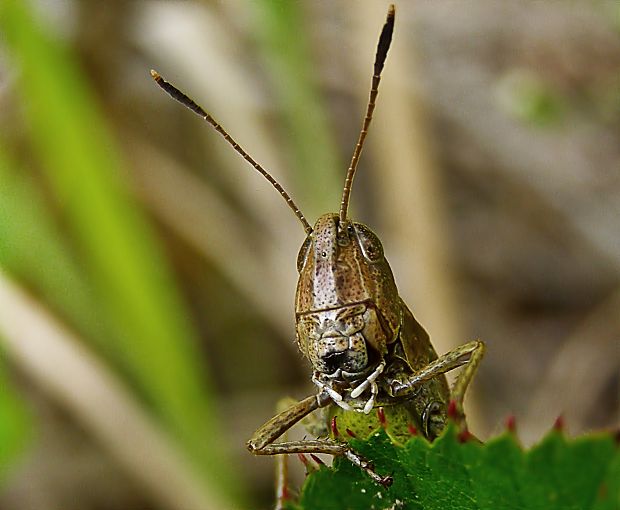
(558, 473)
(122, 271)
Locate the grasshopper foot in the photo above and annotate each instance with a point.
(367, 466)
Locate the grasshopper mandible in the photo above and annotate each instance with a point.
(367, 350)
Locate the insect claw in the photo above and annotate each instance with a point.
(350, 433)
(559, 423)
(387, 480)
(369, 467)
(412, 430)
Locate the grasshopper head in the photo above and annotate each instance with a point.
(346, 302)
(335, 263)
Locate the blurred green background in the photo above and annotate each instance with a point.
(147, 273)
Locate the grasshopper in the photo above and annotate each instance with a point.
(367, 350)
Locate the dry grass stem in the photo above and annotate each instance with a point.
(60, 364)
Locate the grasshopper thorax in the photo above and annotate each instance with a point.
(346, 306)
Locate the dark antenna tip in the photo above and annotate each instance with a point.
(385, 39)
(186, 101)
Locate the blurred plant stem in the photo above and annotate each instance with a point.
(590, 343)
(160, 180)
(153, 342)
(317, 169)
(32, 250)
(38, 344)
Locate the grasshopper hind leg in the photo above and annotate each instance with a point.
(468, 355)
(263, 440)
(465, 377)
(476, 348)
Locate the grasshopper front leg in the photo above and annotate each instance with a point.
(469, 354)
(262, 442)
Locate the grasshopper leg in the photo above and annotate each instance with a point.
(469, 354)
(262, 442)
(283, 421)
(328, 446)
(467, 374)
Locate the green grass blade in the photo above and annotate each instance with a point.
(318, 171)
(32, 250)
(14, 425)
(154, 344)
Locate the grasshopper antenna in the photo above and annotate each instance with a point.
(175, 93)
(382, 49)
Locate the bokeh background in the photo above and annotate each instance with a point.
(147, 273)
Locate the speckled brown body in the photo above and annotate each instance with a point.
(340, 294)
(365, 346)
(350, 319)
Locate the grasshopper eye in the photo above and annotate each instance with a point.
(302, 256)
(369, 243)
